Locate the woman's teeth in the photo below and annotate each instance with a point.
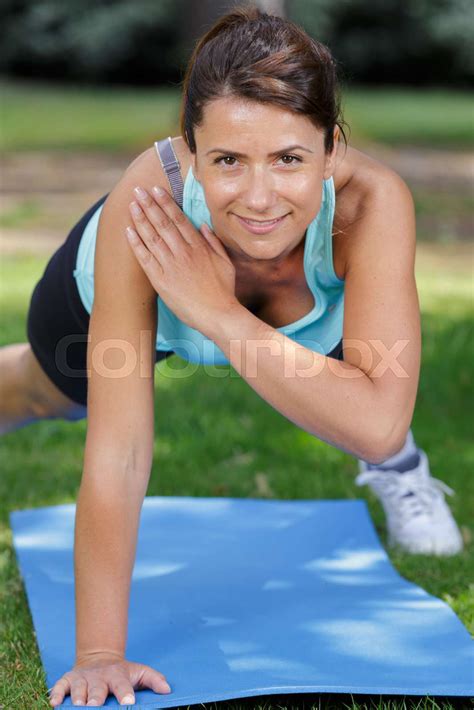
(258, 221)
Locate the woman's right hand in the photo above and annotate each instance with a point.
(94, 677)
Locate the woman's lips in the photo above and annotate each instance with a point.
(260, 226)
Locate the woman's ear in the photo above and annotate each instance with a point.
(330, 160)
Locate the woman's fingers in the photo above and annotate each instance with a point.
(97, 693)
(60, 689)
(148, 262)
(90, 684)
(152, 239)
(215, 243)
(123, 691)
(166, 216)
(158, 229)
(79, 691)
(150, 678)
(169, 207)
(94, 693)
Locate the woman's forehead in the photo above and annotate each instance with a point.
(235, 117)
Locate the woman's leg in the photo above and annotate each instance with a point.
(46, 378)
(418, 518)
(27, 394)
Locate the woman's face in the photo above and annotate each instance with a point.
(243, 162)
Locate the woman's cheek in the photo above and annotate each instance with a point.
(309, 198)
(313, 205)
(220, 190)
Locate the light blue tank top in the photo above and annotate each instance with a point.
(319, 330)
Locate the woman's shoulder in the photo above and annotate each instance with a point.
(361, 184)
(359, 174)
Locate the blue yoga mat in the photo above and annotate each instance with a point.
(234, 598)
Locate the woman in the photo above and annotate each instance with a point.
(272, 284)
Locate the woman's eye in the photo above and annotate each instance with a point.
(225, 157)
(293, 158)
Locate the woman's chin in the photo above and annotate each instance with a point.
(264, 252)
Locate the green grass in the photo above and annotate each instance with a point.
(22, 215)
(418, 117)
(216, 437)
(47, 117)
(40, 116)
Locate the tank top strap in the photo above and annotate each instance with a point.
(172, 168)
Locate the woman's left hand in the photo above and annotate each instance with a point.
(189, 269)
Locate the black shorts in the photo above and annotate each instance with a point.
(58, 323)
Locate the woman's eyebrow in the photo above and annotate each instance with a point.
(243, 155)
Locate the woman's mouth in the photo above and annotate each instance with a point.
(260, 226)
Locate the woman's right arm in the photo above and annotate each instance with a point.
(117, 458)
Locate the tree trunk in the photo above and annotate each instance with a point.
(273, 7)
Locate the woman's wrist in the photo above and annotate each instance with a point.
(85, 656)
(223, 322)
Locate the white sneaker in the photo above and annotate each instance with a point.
(418, 518)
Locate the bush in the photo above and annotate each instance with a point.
(418, 42)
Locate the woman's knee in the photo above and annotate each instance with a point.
(47, 400)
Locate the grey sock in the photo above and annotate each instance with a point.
(408, 463)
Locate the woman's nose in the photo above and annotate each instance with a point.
(259, 194)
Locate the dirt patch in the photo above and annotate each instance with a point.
(441, 169)
(16, 241)
(457, 257)
(61, 172)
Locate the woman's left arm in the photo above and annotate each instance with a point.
(365, 404)
(362, 405)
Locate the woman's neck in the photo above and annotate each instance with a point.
(280, 268)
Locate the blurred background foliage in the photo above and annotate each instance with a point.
(411, 42)
(147, 42)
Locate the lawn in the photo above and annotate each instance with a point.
(216, 437)
(105, 118)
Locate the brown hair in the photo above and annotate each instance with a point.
(250, 54)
